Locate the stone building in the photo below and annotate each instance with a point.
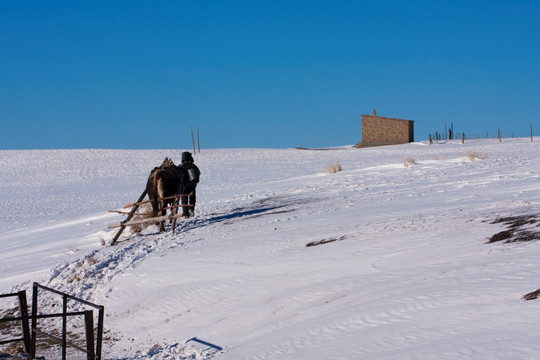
(378, 130)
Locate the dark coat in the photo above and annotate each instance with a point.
(193, 173)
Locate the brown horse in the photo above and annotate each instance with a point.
(163, 183)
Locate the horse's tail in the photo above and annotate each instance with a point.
(160, 184)
(151, 189)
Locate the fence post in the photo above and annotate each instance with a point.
(99, 339)
(23, 309)
(34, 320)
(445, 132)
(64, 326)
(198, 143)
(89, 323)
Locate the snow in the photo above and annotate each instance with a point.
(400, 266)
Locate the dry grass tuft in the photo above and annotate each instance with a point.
(334, 168)
(90, 260)
(473, 155)
(409, 161)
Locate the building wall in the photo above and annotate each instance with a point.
(378, 130)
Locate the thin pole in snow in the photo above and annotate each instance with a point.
(193, 141)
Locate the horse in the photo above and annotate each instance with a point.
(164, 182)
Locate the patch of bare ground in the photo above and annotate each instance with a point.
(326, 241)
(10, 330)
(522, 228)
(532, 295)
(15, 354)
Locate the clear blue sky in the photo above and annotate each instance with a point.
(278, 74)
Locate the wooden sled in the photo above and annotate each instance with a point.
(135, 206)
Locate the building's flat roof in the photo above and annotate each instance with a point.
(387, 118)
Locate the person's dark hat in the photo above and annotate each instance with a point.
(186, 156)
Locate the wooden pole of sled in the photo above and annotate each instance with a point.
(174, 211)
(147, 220)
(147, 201)
(148, 214)
(130, 215)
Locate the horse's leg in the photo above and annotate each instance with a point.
(174, 212)
(155, 208)
(161, 193)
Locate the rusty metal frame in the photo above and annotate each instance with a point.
(29, 334)
(93, 350)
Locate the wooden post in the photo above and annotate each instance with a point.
(430, 140)
(198, 144)
(193, 141)
(130, 215)
(89, 325)
(64, 326)
(531, 133)
(99, 336)
(499, 134)
(23, 309)
(33, 332)
(463, 138)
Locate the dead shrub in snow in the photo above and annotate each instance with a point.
(409, 161)
(90, 260)
(473, 155)
(72, 250)
(334, 168)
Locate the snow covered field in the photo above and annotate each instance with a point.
(399, 265)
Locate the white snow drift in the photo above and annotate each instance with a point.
(398, 265)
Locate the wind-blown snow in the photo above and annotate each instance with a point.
(398, 265)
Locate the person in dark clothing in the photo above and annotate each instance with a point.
(193, 173)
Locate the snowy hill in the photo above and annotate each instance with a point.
(388, 259)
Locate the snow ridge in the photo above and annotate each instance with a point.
(382, 260)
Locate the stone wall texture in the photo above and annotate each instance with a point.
(378, 130)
